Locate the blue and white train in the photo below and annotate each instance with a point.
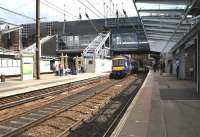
(121, 67)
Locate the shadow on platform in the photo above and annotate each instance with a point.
(179, 94)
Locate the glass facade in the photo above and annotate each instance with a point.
(124, 40)
(119, 40)
(72, 42)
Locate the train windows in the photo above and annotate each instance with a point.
(119, 62)
(115, 63)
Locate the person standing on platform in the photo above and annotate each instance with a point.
(163, 67)
(61, 67)
(170, 67)
(154, 65)
(57, 69)
(177, 68)
(54, 67)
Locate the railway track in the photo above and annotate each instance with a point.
(103, 124)
(63, 115)
(12, 101)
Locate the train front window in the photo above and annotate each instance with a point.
(119, 62)
(115, 63)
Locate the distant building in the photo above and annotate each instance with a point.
(9, 36)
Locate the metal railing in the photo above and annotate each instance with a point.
(96, 48)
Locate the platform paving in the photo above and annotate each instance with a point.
(14, 86)
(165, 107)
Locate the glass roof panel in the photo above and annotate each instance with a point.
(144, 6)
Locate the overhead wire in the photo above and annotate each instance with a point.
(123, 10)
(61, 9)
(53, 6)
(94, 7)
(58, 9)
(87, 16)
(16, 13)
(80, 16)
(89, 8)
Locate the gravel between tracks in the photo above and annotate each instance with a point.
(18, 110)
(77, 114)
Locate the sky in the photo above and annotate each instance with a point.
(73, 7)
(27, 7)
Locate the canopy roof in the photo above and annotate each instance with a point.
(6, 27)
(166, 21)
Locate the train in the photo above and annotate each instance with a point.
(121, 67)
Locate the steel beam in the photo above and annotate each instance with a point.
(165, 34)
(160, 23)
(162, 17)
(198, 62)
(187, 10)
(164, 30)
(187, 37)
(10, 30)
(171, 21)
(162, 36)
(165, 26)
(175, 2)
(161, 39)
(38, 39)
(163, 11)
(174, 21)
(141, 21)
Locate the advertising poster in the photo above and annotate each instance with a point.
(27, 68)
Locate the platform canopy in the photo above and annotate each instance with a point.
(6, 27)
(166, 21)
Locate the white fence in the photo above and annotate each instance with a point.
(9, 66)
(12, 66)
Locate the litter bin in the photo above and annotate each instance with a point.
(3, 78)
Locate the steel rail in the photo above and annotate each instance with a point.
(82, 98)
(42, 92)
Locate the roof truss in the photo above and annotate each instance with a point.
(165, 23)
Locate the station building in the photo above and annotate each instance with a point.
(70, 39)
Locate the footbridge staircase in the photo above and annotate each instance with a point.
(99, 47)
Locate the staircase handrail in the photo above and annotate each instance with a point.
(91, 43)
(102, 43)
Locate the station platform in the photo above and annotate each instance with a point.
(14, 86)
(163, 107)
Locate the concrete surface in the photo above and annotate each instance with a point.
(166, 107)
(14, 86)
